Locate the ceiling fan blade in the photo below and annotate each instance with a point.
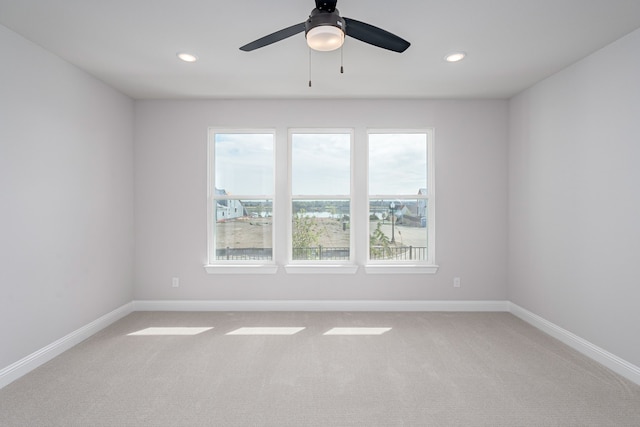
(375, 36)
(274, 37)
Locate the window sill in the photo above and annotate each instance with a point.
(400, 269)
(321, 269)
(241, 269)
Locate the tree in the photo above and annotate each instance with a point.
(379, 243)
(305, 230)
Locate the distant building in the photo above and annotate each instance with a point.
(228, 209)
(421, 208)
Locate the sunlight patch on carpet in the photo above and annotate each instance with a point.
(266, 331)
(178, 330)
(357, 331)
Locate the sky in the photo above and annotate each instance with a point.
(244, 163)
(397, 163)
(320, 163)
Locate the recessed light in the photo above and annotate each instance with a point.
(455, 56)
(187, 57)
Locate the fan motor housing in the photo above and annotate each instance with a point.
(318, 18)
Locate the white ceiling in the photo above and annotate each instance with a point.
(132, 45)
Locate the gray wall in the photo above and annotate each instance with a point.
(66, 197)
(171, 189)
(574, 201)
(562, 192)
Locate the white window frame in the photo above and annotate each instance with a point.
(429, 265)
(320, 266)
(213, 265)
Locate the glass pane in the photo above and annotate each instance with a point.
(321, 230)
(397, 163)
(398, 230)
(320, 164)
(244, 229)
(244, 163)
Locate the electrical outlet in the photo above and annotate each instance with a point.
(456, 282)
(175, 282)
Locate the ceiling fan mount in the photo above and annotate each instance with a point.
(320, 17)
(325, 30)
(326, 6)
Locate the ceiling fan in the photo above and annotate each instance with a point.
(325, 30)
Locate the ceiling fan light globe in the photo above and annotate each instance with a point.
(325, 38)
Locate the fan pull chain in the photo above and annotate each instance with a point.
(309, 67)
(341, 59)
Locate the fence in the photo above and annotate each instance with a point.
(321, 253)
(401, 253)
(236, 254)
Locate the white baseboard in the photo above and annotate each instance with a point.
(318, 305)
(32, 361)
(611, 361)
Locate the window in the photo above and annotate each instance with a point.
(320, 179)
(401, 197)
(241, 195)
(342, 201)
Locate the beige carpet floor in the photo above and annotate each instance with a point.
(428, 369)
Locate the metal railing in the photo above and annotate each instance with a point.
(236, 254)
(402, 253)
(321, 253)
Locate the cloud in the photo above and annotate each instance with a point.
(244, 163)
(397, 163)
(321, 164)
